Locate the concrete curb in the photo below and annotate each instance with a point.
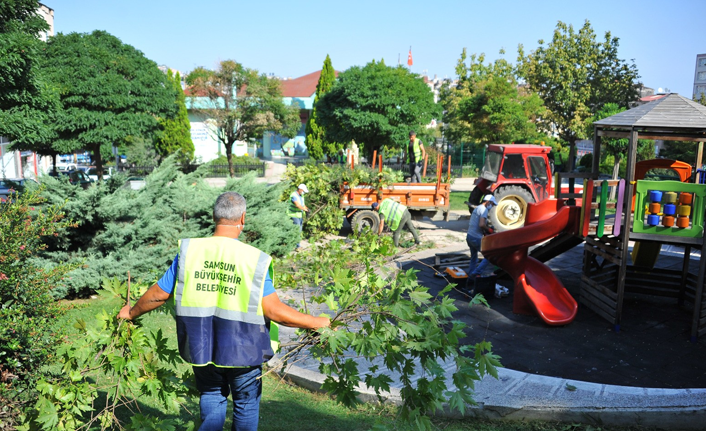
(517, 396)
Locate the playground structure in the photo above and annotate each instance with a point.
(666, 212)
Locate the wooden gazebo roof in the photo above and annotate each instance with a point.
(672, 113)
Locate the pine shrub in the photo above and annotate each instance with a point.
(120, 229)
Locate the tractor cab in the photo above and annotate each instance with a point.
(516, 175)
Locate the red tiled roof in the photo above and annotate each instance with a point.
(651, 98)
(304, 86)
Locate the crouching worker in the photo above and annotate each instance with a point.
(397, 216)
(224, 297)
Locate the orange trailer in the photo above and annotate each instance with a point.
(422, 199)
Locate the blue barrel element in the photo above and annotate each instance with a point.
(653, 220)
(669, 209)
(655, 196)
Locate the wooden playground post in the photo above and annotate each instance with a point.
(375, 156)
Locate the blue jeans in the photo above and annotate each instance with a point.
(298, 222)
(473, 267)
(215, 384)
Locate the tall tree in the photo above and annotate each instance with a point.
(24, 105)
(316, 143)
(241, 104)
(575, 75)
(109, 91)
(377, 106)
(618, 147)
(176, 133)
(487, 105)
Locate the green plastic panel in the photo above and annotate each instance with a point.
(695, 230)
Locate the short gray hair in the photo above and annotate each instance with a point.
(229, 206)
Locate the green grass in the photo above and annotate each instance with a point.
(290, 408)
(457, 199)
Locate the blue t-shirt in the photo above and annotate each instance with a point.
(168, 280)
(474, 231)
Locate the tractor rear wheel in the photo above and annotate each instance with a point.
(511, 210)
(366, 219)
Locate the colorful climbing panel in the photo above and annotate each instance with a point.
(670, 208)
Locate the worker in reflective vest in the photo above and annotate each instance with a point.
(415, 157)
(297, 207)
(397, 217)
(224, 299)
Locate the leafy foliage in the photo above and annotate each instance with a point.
(617, 148)
(27, 308)
(241, 103)
(575, 75)
(316, 143)
(121, 230)
(376, 106)
(176, 136)
(487, 106)
(108, 91)
(118, 362)
(386, 317)
(24, 100)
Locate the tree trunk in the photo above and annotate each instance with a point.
(99, 161)
(616, 170)
(229, 156)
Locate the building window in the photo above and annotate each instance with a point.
(702, 62)
(700, 89)
(701, 76)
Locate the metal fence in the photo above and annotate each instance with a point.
(214, 171)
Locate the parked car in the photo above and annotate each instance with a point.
(10, 185)
(92, 172)
(75, 177)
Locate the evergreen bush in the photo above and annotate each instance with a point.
(120, 229)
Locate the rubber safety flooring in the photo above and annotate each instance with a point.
(652, 348)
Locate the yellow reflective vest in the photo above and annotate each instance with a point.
(417, 152)
(393, 212)
(218, 299)
(293, 211)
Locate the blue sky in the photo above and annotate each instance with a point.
(292, 38)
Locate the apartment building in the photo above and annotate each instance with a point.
(700, 76)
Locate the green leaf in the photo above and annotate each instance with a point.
(47, 415)
(419, 297)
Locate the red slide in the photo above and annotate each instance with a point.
(537, 289)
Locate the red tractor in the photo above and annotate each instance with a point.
(516, 175)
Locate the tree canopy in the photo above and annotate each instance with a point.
(109, 91)
(176, 134)
(376, 105)
(487, 106)
(316, 143)
(241, 104)
(24, 105)
(575, 75)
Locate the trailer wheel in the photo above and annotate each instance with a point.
(366, 219)
(511, 210)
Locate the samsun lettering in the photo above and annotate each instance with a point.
(223, 266)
